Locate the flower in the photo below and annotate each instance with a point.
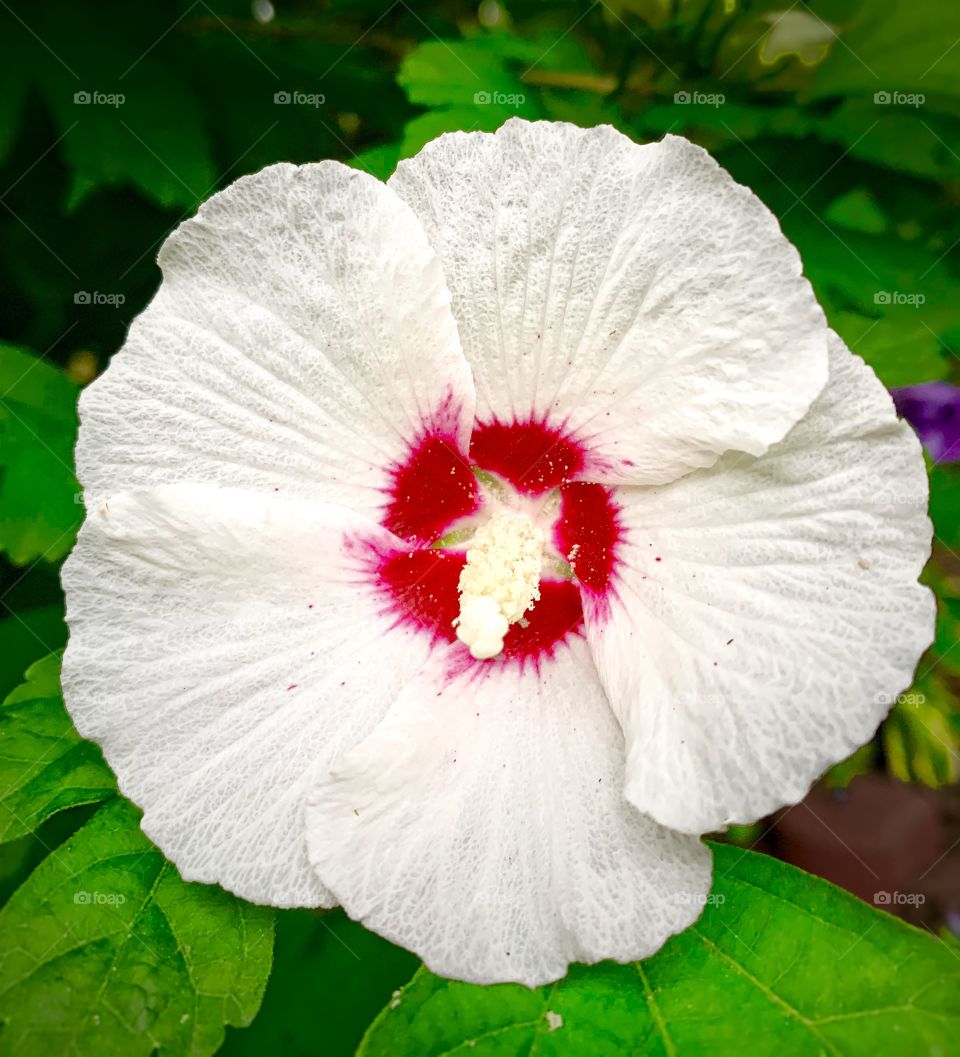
(460, 549)
(933, 409)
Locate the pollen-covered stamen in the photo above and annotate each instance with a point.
(500, 581)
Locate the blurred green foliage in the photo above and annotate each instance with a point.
(116, 120)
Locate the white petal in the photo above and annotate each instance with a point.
(301, 339)
(634, 295)
(224, 647)
(768, 610)
(483, 826)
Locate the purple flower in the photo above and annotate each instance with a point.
(933, 409)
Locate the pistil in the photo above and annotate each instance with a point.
(500, 581)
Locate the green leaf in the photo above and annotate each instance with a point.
(478, 84)
(19, 858)
(464, 73)
(473, 85)
(34, 383)
(107, 951)
(45, 766)
(781, 963)
(327, 970)
(745, 836)
(717, 123)
(906, 139)
(898, 345)
(26, 636)
(421, 130)
(948, 632)
(890, 300)
(144, 131)
(378, 161)
(40, 508)
(863, 761)
(918, 739)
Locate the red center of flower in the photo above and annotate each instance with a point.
(435, 486)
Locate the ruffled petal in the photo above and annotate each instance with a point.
(766, 611)
(224, 648)
(635, 297)
(483, 826)
(301, 338)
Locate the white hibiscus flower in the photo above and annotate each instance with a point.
(461, 548)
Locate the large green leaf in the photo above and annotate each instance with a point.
(106, 951)
(40, 508)
(45, 766)
(780, 964)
